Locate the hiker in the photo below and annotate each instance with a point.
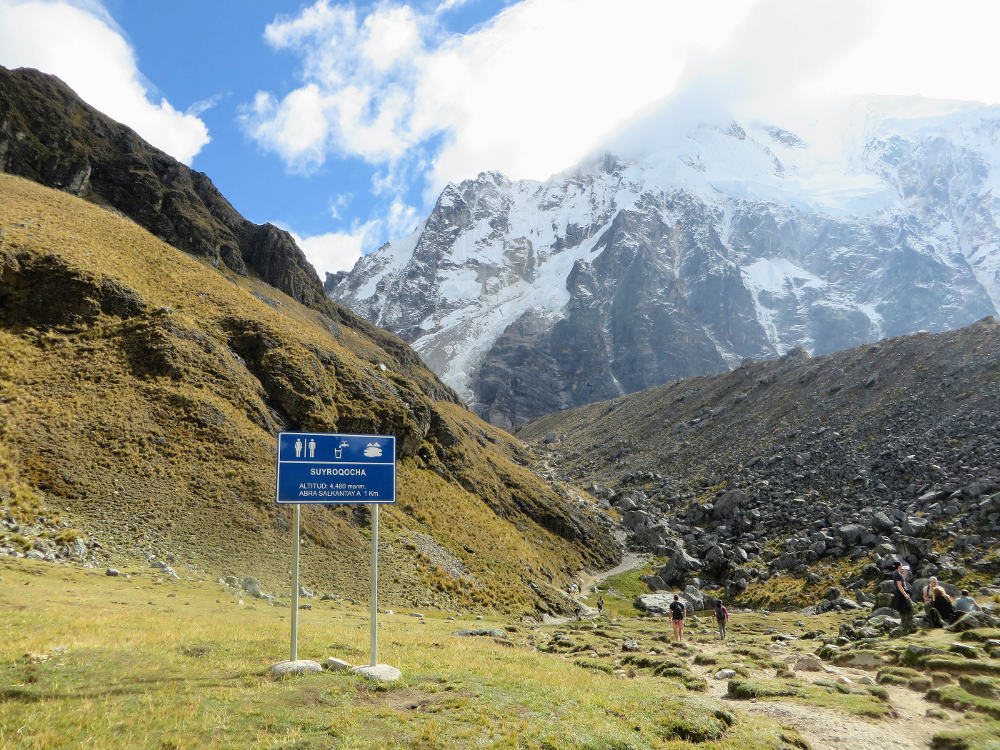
(721, 617)
(600, 606)
(965, 604)
(901, 601)
(677, 618)
(940, 610)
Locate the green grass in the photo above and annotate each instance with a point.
(870, 702)
(955, 697)
(101, 662)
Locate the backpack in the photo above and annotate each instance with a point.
(725, 613)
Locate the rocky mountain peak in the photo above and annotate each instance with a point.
(732, 241)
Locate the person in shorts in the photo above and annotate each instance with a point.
(677, 617)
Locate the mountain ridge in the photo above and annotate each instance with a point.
(50, 135)
(883, 452)
(734, 242)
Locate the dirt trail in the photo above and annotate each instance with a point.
(829, 729)
(822, 728)
(631, 560)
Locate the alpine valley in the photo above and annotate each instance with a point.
(722, 243)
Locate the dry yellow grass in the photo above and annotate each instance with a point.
(140, 390)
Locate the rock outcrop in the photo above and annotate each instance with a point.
(49, 135)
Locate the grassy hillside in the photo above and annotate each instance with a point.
(140, 391)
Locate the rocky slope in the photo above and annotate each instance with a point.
(803, 465)
(48, 134)
(730, 242)
(140, 393)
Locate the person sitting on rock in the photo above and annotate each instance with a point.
(901, 601)
(940, 610)
(966, 604)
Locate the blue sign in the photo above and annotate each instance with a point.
(319, 467)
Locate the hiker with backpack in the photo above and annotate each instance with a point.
(677, 610)
(722, 618)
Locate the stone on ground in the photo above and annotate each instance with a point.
(486, 632)
(299, 666)
(378, 673)
(334, 664)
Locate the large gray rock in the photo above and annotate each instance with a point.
(727, 506)
(658, 604)
(679, 567)
(378, 673)
(973, 620)
(693, 597)
(252, 586)
(300, 666)
(482, 632)
(851, 532)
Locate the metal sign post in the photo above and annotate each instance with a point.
(335, 469)
(295, 590)
(374, 616)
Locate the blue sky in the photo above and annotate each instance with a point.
(342, 121)
(193, 51)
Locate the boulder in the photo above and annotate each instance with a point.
(808, 663)
(693, 597)
(964, 649)
(657, 605)
(378, 673)
(881, 522)
(252, 586)
(915, 525)
(973, 620)
(851, 532)
(299, 666)
(728, 506)
(482, 632)
(678, 567)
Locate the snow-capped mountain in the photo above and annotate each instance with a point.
(729, 242)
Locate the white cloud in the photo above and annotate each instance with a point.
(546, 82)
(296, 127)
(339, 251)
(79, 43)
(923, 47)
(339, 203)
(527, 94)
(400, 220)
(390, 36)
(336, 251)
